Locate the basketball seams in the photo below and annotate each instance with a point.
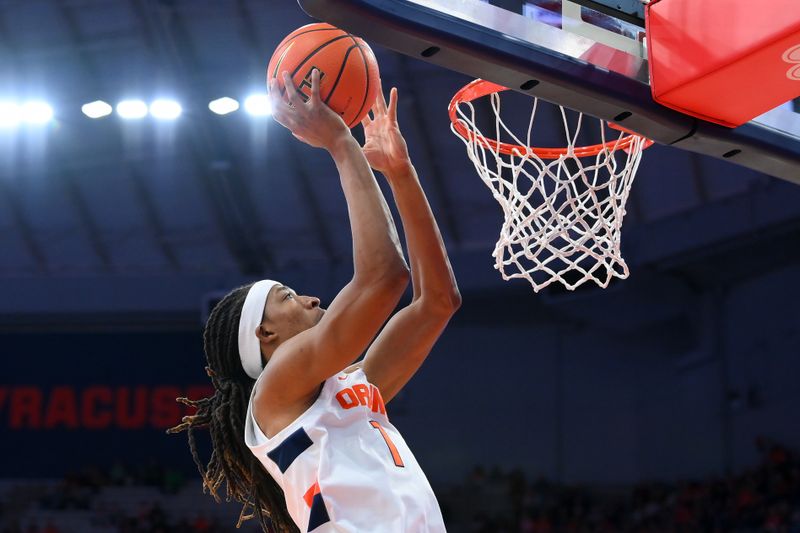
(284, 45)
(314, 52)
(279, 62)
(346, 84)
(366, 76)
(339, 74)
(306, 32)
(310, 55)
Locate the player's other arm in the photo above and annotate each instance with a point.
(380, 276)
(408, 337)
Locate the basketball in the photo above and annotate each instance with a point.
(348, 68)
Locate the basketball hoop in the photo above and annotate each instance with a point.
(562, 207)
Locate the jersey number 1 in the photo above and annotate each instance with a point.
(398, 461)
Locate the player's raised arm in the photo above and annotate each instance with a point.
(409, 336)
(300, 364)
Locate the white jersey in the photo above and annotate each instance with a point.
(344, 467)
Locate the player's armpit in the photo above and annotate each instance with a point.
(404, 344)
(353, 367)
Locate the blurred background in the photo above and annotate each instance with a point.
(667, 402)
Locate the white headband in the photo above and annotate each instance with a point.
(252, 315)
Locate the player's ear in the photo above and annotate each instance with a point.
(265, 336)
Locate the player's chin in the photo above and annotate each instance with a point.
(319, 315)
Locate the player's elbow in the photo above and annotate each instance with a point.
(397, 279)
(455, 299)
(392, 279)
(441, 303)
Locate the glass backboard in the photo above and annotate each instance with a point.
(587, 55)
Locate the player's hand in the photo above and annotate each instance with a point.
(313, 122)
(384, 146)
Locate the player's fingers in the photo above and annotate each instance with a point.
(274, 93)
(392, 112)
(366, 122)
(273, 90)
(279, 105)
(315, 83)
(291, 92)
(282, 114)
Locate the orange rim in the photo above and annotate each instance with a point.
(479, 88)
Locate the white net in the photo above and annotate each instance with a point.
(562, 216)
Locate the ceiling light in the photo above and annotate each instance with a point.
(223, 106)
(36, 112)
(132, 109)
(165, 109)
(258, 105)
(10, 114)
(96, 109)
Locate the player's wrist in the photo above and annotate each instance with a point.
(340, 143)
(400, 170)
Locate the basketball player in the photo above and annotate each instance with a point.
(299, 432)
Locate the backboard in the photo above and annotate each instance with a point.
(587, 55)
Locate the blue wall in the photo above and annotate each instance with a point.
(647, 403)
(609, 388)
(49, 427)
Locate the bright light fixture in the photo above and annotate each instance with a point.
(96, 109)
(10, 114)
(223, 106)
(258, 105)
(36, 112)
(165, 109)
(132, 109)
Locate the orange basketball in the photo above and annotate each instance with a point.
(348, 68)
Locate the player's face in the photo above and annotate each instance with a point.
(288, 313)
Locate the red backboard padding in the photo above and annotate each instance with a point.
(724, 61)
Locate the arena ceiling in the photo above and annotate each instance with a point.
(146, 219)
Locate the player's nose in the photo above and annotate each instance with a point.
(312, 301)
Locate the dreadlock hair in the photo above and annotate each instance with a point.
(232, 462)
